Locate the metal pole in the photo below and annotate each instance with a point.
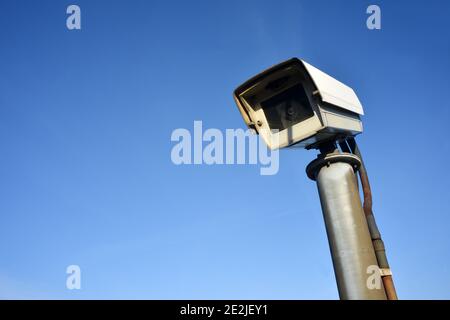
(348, 234)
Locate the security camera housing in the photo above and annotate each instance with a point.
(296, 103)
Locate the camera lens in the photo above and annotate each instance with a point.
(287, 108)
(290, 111)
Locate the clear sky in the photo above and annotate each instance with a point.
(86, 176)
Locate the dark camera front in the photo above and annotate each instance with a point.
(287, 108)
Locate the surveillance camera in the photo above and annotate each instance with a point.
(296, 103)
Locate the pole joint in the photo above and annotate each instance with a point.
(326, 159)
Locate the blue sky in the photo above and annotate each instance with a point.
(86, 176)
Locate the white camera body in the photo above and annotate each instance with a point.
(296, 103)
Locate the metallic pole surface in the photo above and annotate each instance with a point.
(348, 234)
